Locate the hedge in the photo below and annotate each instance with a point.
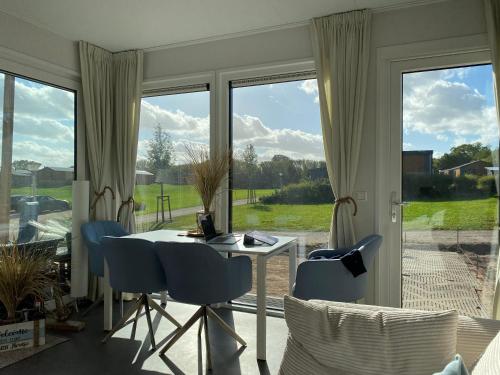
(306, 192)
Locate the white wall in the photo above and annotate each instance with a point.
(25, 38)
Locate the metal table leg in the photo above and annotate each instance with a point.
(108, 300)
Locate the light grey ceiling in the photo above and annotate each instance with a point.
(125, 24)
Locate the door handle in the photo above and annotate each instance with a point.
(395, 203)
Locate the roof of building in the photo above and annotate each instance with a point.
(59, 169)
(426, 152)
(464, 165)
(21, 172)
(144, 173)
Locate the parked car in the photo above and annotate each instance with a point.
(14, 200)
(45, 203)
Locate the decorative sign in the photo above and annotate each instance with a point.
(22, 335)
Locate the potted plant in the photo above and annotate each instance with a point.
(207, 173)
(25, 277)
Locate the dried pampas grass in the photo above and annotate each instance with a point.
(23, 274)
(207, 172)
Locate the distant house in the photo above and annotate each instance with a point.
(492, 171)
(21, 178)
(144, 177)
(476, 167)
(54, 176)
(417, 162)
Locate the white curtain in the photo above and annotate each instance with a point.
(96, 66)
(492, 10)
(128, 72)
(341, 44)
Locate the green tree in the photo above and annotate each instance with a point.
(142, 165)
(160, 154)
(21, 164)
(463, 154)
(251, 166)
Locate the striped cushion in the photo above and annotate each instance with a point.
(489, 364)
(297, 361)
(351, 340)
(473, 334)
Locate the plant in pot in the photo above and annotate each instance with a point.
(25, 277)
(207, 174)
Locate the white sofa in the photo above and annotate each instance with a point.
(340, 338)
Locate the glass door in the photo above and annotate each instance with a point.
(449, 190)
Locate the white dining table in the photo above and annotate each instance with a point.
(262, 252)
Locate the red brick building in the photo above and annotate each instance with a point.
(417, 162)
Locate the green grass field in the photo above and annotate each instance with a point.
(477, 214)
(181, 196)
(472, 214)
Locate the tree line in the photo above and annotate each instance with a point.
(247, 171)
(463, 154)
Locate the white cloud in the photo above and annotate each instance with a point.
(43, 123)
(310, 87)
(44, 101)
(407, 146)
(47, 155)
(177, 124)
(442, 137)
(434, 104)
(44, 129)
(296, 144)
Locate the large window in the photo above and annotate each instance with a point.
(164, 197)
(279, 178)
(37, 159)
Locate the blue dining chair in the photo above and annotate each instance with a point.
(92, 233)
(135, 268)
(324, 276)
(197, 274)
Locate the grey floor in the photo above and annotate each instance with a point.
(85, 354)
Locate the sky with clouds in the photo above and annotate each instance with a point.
(441, 109)
(280, 118)
(449, 107)
(43, 123)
